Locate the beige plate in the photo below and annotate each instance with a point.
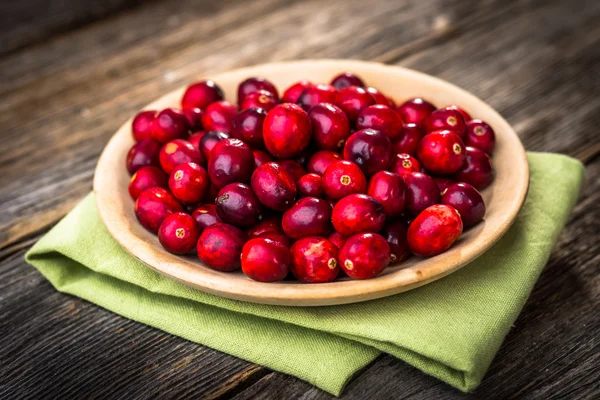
(503, 198)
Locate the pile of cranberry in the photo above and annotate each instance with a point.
(323, 178)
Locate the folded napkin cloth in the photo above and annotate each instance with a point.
(451, 328)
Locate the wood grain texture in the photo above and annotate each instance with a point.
(537, 62)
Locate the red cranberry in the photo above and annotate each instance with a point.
(294, 168)
(195, 139)
(415, 111)
(141, 126)
(143, 154)
(248, 127)
(462, 112)
(316, 94)
(321, 160)
(261, 157)
(209, 141)
(153, 206)
(405, 164)
(388, 189)
(371, 150)
(259, 99)
(440, 120)
(409, 140)
(308, 217)
(178, 233)
(177, 152)
(201, 94)
(293, 92)
(188, 182)
(467, 201)
(352, 100)
(231, 161)
(364, 255)
(194, 117)
(310, 185)
(274, 186)
(337, 239)
(270, 224)
(441, 152)
(395, 234)
(381, 118)
(481, 136)
(220, 246)
(330, 126)
(145, 178)
(237, 204)
(434, 230)
(252, 85)
(219, 116)
(443, 183)
(205, 216)
(346, 79)
(357, 213)
(477, 169)
(422, 192)
(380, 98)
(343, 178)
(278, 237)
(266, 260)
(314, 260)
(286, 130)
(169, 124)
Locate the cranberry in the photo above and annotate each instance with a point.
(231, 161)
(434, 230)
(415, 111)
(343, 178)
(248, 127)
(194, 117)
(395, 234)
(293, 92)
(357, 213)
(337, 239)
(177, 152)
(477, 169)
(266, 260)
(270, 224)
(220, 246)
(294, 168)
(201, 94)
(441, 152)
(380, 98)
(237, 204)
(195, 139)
(286, 130)
(259, 99)
(274, 186)
(252, 85)
(422, 192)
(314, 260)
(409, 140)
(371, 150)
(388, 189)
(145, 178)
(209, 141)
(205, 216)
(462, 112)
(188, 182)
(278, 237)
(467, 201)
(443, 119)
(443, 183)
(144, 153)
(219, 116)
(405, 164)
(321, 160)
(169, 124)
(178, 233)
(261, 157)
(352, 100)
(153, 206)
(481, 136)
(308, 217)
(310, 185)
(141, 126)
(316, 94)
(346, 79)
(364, 255)
(330, 126)
(381, 118)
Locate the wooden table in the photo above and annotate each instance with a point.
(71, 73)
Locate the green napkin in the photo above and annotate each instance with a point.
(450, 329)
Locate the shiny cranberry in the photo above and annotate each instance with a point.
(278, 237)
(443, 183)
(274, 186)
(481, 136)
(405, 164)
(389, 190)
(337, 239)
(194, 117)
(177, 152)
(415, 111)
(195, 139)
(380, 98)
(434, 230)
(343, 178)
(188, 182)
(205, 216)
(371, 150)
(293, 92)
(381, 118)
(266, 260)
(409, 140)
(364, 255)
(330, 126)
(201, 94)
(220, 246)
(314, 260)
(219, 116)
(261, 157)
(477, 169)
(357, 213)
(422, 192)
(440, 120)
(269, 224)
(286, 130)
(144, 153)
(462, 112)
(467, 201)
(146, 178)
(237, 204)
(310, 185)
(248, 127)
(395, 234)
(153, 206)
(321, 160)
(252, 85)
(231, 161)
(141, 126)
(209, 141)
(259, 99)
(441, 152)
(346, 79)
(317, 94)
(178, 233)
(294, 168)
(308, 217)
(169, 124)
(352, 100)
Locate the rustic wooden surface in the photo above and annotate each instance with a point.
(70, 75)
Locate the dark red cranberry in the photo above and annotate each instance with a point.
(310, 185)
(205, 216)
(304, 155)
(194, 117)
(337, 239)
(415, 111)
(440, 120)
(144, 153)
(465, 115)
(477, 170)
(346, 79)
(434, 230)
(364, 255)
(317, 94)
(294, 168)
(441, 152)
(467, 201)
(270, 224)
(293, 92)
(481, 136)
(314, 260)
(252, 85)
(266, 260)
(231, 161)
(274, 186)
(220, 246)
(248, 127)
(211, 194)
(261, 157)
(330, 126)
(195, 139)
(219, 116)
(141, 126)
(188, 182)
(357, 213)
(177, 152)
(145, 178)
(405, 164)
(443, 183)
(237, 204)
(422, 192)
(278, 237)
(395, 234)
(321, 160)
(308, 217)
(169, 124)
(352, 100)
(201, 94)
(286, 130)
(409, 140)
(153, 206)
(178, 233)
(259, 99)
(381, 118)
(380, 98)
(371, 150)
(209, 141)
(389, 190)
(343, 178)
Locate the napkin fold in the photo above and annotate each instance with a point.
(451, 328)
